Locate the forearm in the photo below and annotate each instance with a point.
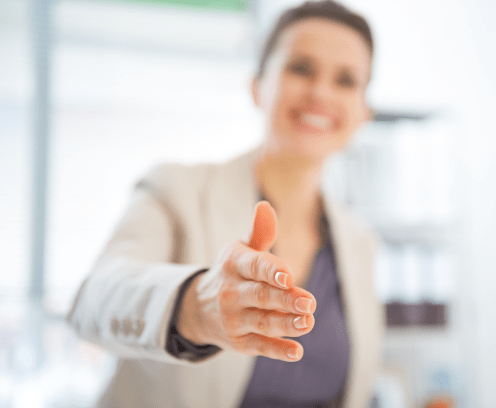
(125, 306)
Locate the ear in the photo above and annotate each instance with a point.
(255, 91)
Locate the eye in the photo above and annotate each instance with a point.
(346, 79)
(302, 68)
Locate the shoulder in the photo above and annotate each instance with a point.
(184, 182)
(168, 177)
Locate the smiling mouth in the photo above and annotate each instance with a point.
(317, 121)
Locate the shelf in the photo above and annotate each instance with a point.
(418, 337)
(429, 315)
(396, 229)
(421, 233)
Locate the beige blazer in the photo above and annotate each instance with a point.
(178, 220)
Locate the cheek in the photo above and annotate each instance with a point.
(358, 111)
(287, 92)
(294, 90)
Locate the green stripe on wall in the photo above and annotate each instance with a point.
(227, 5)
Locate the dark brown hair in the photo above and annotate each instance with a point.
(328, 10)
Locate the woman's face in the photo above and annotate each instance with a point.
(313, 88)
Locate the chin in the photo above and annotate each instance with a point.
(307, 153)
(313, 150)
(306, 145)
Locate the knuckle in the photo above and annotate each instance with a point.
(260, 268)
(287, 323)
(228, 294)
(254, 266)
(228, 264)
(271, 271)
(266, 270)
(231, 322)
(261, 293)
(223, 295)
(287, 300)
(262, 323)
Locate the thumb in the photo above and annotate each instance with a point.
(264, 228)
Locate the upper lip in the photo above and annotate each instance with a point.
(317, 113)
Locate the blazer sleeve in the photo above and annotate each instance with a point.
(126, 303)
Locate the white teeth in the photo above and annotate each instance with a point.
(320, 122)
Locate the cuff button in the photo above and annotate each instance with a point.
(127, 326)
(139, 325)
(114, 326)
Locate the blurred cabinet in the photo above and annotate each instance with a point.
(399, 173)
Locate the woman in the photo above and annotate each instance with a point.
(204, 318)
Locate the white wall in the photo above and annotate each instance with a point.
(478, 147)
(441, 55)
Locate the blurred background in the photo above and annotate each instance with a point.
(93, 93)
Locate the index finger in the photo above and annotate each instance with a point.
(264, 267)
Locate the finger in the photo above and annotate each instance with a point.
(264, 296)
(275, 348)
(264, 227)
(270, 323)
(263, 267)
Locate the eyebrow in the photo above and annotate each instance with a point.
(302, 55)
(298, 56)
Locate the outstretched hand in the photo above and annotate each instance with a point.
(246, 301)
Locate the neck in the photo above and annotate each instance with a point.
(291, 183)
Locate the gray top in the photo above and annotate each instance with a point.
(319, 377)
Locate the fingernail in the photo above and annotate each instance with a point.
(300, 322)
(281, 278)
(303, 305)
(293, 354)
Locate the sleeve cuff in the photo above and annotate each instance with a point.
(176, 344)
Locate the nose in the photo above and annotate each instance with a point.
(322, 90)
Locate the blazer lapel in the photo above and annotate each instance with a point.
(231, 201)
(354, 252)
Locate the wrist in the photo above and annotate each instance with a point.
(189, 322)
